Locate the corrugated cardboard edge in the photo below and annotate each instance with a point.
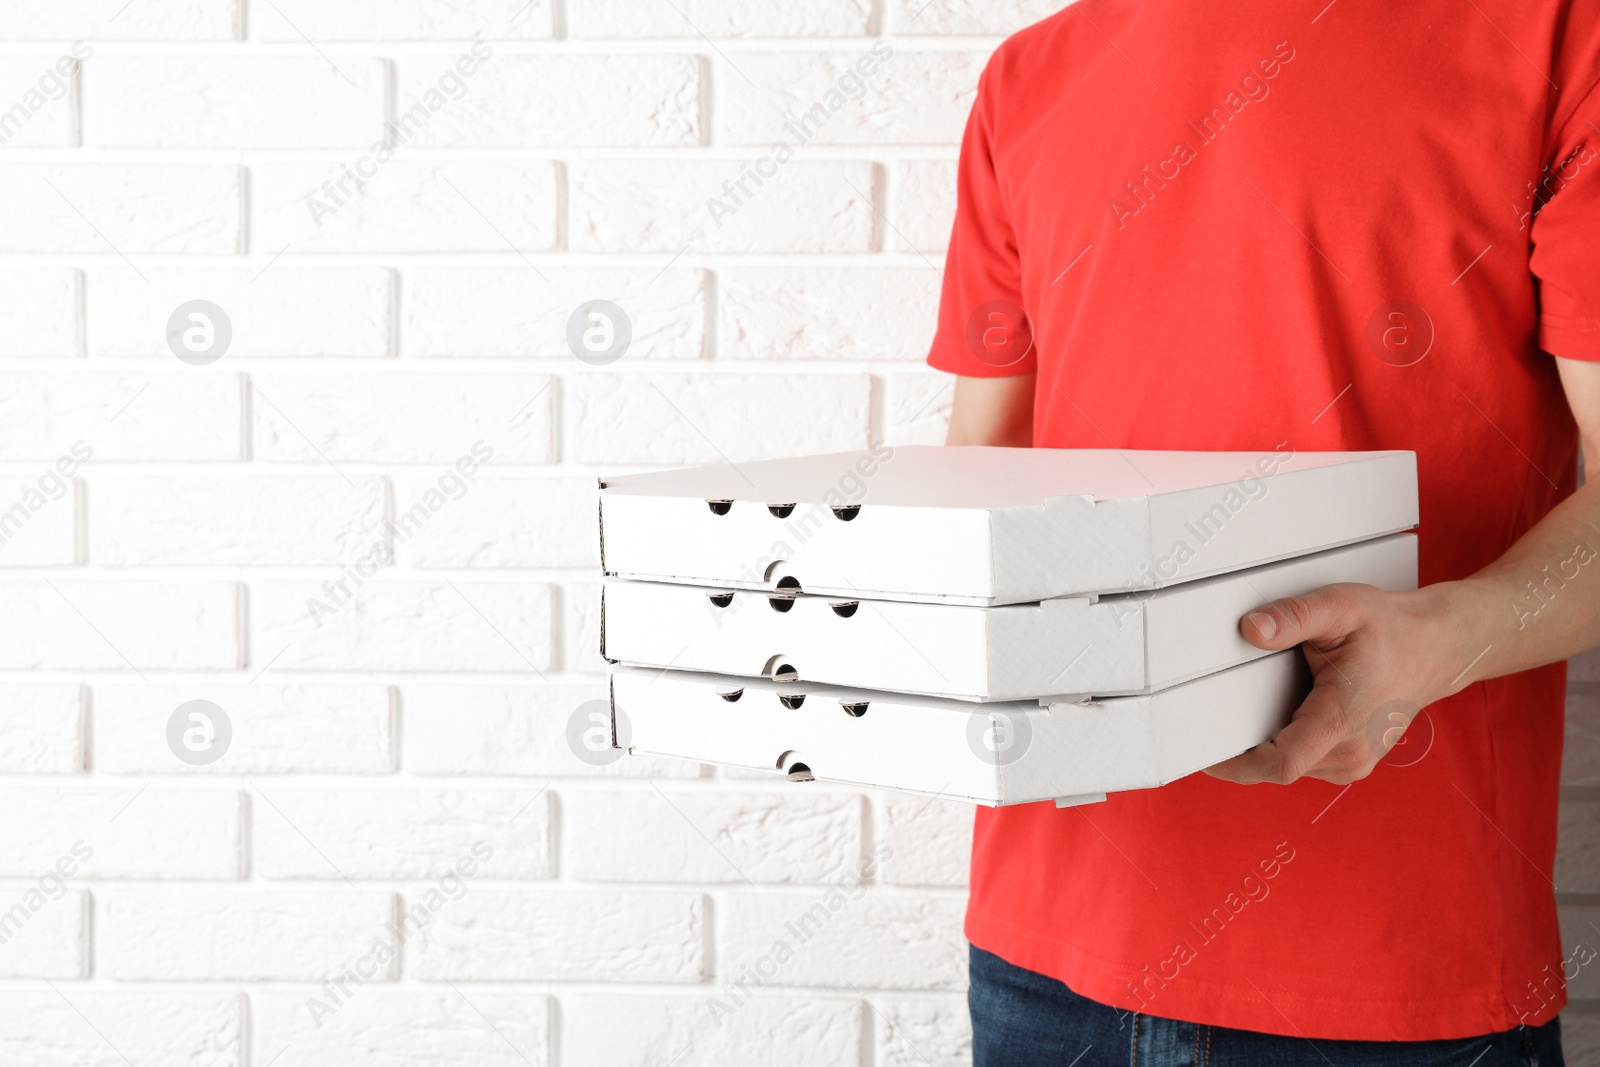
(600, 526)
(611, 696)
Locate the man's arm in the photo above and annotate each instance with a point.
(1378, 656)
(992, 411)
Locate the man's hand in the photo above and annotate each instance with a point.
(1378, 658)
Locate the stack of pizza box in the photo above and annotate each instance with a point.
(997, 625)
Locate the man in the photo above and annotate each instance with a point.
(1306, 226)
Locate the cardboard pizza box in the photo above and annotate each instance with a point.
(995, 525)
(1068, 647)
(1017, 752)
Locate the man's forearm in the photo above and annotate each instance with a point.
(1536, 604)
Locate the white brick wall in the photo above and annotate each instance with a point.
(398, 813)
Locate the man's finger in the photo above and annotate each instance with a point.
(1320, 615)
(1318, 726)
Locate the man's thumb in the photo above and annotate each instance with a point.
(1292, 620)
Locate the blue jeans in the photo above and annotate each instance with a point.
(1023, 1019)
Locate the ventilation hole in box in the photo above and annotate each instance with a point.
(781, 603)
(731, 695)
(784, 672)
(721, 600)
(719, 507)
(799, 772)
(845, 608)
(792, 700)
(782, 511)
(788, 584)
(846, 513)
(855, 710)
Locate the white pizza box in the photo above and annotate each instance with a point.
(1068, 647)
(995, 525)
(993, 754)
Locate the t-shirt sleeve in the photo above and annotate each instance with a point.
(983, 331)
(1565, 229)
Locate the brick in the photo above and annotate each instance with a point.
(509, 730)
(854, 97)
(504, 522)
(44, 932)
(111, 833)
(244, 935)
(122, 208)
(176, 20)
(276, 729)
(1580, 756)
(41, 727)
(581, 642)
(1580, 925)
(1578, 850)
(403, 833)
(555, 936)
(410, 417)
(39, 519)
(683, 419)
(1580, 1034)
(721, 18)
(493, 311)
(46, 1029)
(404, 1029)
(398, 625)
(967, 17)
(277, 310)
(405, 206)
(668, 206)
(235, 101)
(403, 20)
(923, 1032)
(235, 519)
(584, 100)
(918, 407)
(930, 841)
(119, 625)
(898, 942)
(188, 415)
(826, 313)
(923, 196)
(39, 100)
(40, 317)
(770, 1030)
(655, 835)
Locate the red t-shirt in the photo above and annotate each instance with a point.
(1236, 225)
